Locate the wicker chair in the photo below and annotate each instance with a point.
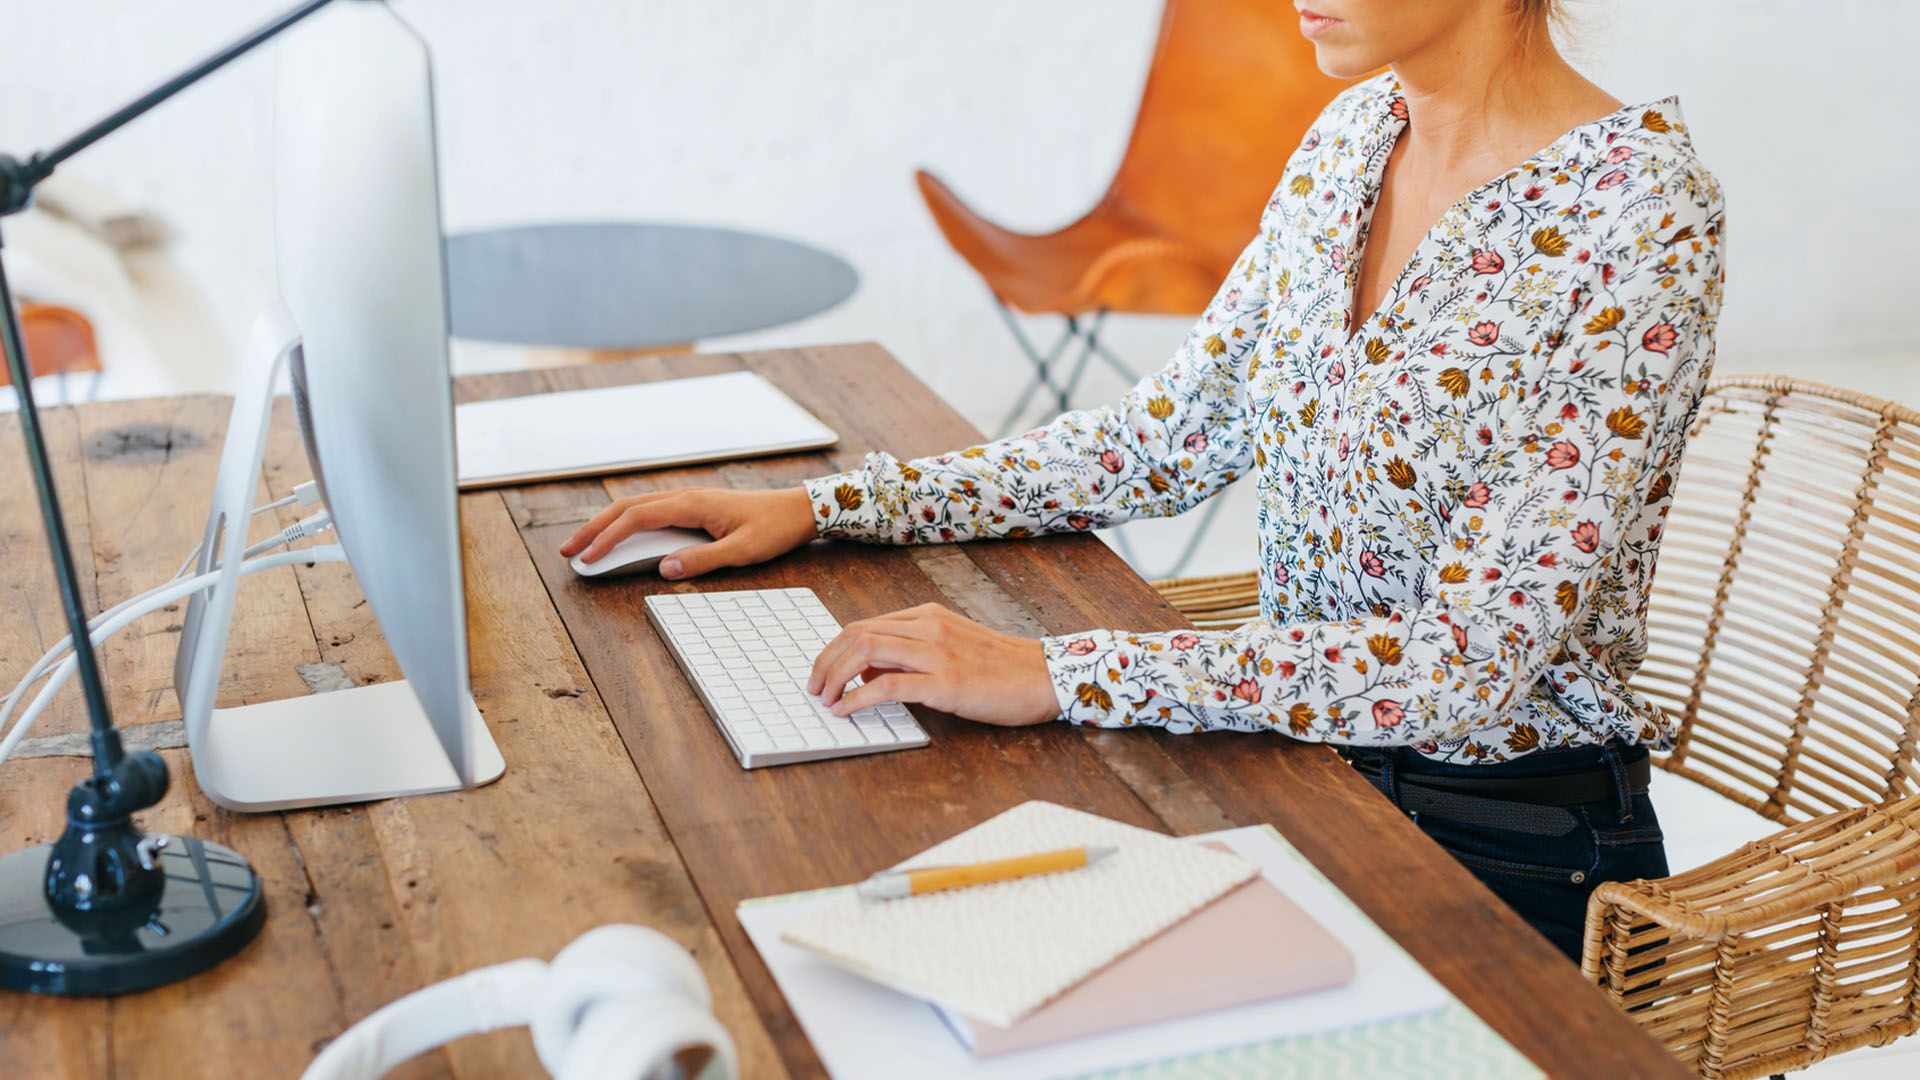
(1784, 639)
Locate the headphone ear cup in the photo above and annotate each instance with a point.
(648, 1038)
(608, 964)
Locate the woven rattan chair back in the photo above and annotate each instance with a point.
(1784, 627)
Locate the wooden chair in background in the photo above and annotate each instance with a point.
(59, 342)
(1784, 641)
(1231, 89)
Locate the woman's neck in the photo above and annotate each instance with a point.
(1478, 100)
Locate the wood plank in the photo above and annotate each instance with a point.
(151, 466)
(34, 1040)
(1460, 931)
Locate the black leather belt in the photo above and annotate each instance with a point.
(1528, 804)
(1592, 784)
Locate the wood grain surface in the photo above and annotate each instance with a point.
(621, 801)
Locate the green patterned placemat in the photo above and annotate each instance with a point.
(1449, 1042)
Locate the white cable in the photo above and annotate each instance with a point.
(127, 613)
(305, 494)
(308, 527)
(260, 510)
(53, 655)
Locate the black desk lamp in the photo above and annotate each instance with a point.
(106, 909)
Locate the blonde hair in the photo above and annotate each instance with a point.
(1535, 15)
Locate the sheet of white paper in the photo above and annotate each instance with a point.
(861, 1029)
(709, 417)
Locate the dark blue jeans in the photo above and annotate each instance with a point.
(1546, 878)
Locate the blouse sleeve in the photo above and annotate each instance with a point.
(1175, 440)
(1593, 441)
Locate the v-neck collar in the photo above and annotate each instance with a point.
(1377, 147)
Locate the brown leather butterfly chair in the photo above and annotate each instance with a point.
(59, 342)
(1231, 90)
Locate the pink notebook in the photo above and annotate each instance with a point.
(1253, 944)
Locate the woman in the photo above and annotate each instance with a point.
(1463, 402)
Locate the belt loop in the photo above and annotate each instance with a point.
(1389, 775)
(1622, 790)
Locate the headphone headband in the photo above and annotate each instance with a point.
(619, 1003)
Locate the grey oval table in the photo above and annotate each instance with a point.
(611, 286)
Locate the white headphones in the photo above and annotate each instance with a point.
(620, 1003)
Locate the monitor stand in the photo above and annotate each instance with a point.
(368, 742)
(344, 746)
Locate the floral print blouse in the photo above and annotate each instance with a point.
(1460, 494)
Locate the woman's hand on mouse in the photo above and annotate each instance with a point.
(747, 526)
(931, 656)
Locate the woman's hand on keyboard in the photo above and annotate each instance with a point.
(933, 657)
(747, 526)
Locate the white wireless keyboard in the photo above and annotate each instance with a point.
(749, 654)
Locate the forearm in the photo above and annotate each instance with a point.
(1010, 489)
(1379, 681)
(1176, 439)
(1084, 471)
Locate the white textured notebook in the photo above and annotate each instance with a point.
(998, 952)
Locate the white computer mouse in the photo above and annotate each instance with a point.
(641, 551)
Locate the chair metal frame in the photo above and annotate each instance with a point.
(1087, 334)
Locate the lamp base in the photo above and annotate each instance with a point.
(210, 908)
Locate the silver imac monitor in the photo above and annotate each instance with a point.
(363, 331)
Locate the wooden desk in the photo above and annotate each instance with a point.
(621, 801)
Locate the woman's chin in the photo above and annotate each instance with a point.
(1345, 62)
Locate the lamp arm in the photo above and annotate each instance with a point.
(18, 178)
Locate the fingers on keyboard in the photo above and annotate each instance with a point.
(750, 654)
